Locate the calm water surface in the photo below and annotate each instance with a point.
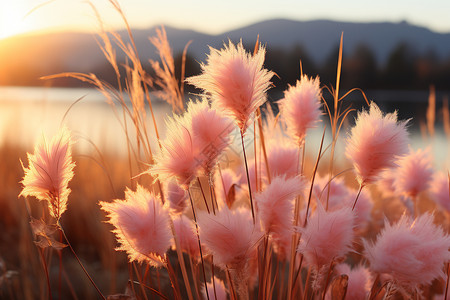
(28, 112)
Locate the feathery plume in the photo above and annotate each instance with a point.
(177, 198)
(386, 182)
(210, 133)
(141, 225)
(375, 142)
(327, 236)
(177, 157)
(440, 190)
(414, 172)
(276, 211)
(300, 107)
(230, 235)
(283, 160)
(412, 251)
(185, 231)
(232, 238)
(236, 81)
(341, 196)
(49, 171)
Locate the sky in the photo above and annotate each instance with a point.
(211, 16)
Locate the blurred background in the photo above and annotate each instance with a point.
(397, 52)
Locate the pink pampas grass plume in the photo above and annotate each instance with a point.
(229, 235)
(236, 81)
(210, 133)
(49, 171)
(185, 231)
(221, 292)
(141, 225)
(300, 107)
(414, 172)
(386, 183)
(283, 160)
(440, 190)
(232, 238)
(276, 211)
(412, 251)
(327, 236)
(375, 142)
(177, 157)
(176, 197)
(341, 196)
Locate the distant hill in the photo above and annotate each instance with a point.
(27, 57)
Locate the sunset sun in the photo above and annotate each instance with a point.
(13, 19)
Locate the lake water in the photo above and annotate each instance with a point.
(28, 112)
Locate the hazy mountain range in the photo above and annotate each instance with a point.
(24, 58)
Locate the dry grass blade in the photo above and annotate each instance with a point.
(431, 111)
(339, 287)
(165, 74)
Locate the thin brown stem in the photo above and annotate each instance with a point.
(357, 196)
(44, 264)
(212, 279)
(203, 194)
(80, 263)
(305, 293)
(198, 239)
(139, 280)
(447, 281)
(327, 281)
(152, 290)
(181, 262)
(248, 178)
(194, 276)
(60, 266)
(313, 177)
(230, 282)
(173, 279)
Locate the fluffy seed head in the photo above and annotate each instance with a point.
(176, 197)
(185, 231)
(236, 81)
(49, 171)
(413, 252)
(327, 236)
(230, 236)
(300, 107)
(141, 225)
(177, 157)
(210, 133)
(440, 190)
(276, 210)
(414, 172)
(386, 182)
(283, 160)
(341, 196)
(375, 142)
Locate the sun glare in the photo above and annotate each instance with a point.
(13, 19)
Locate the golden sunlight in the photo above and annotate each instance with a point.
(13, 19)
